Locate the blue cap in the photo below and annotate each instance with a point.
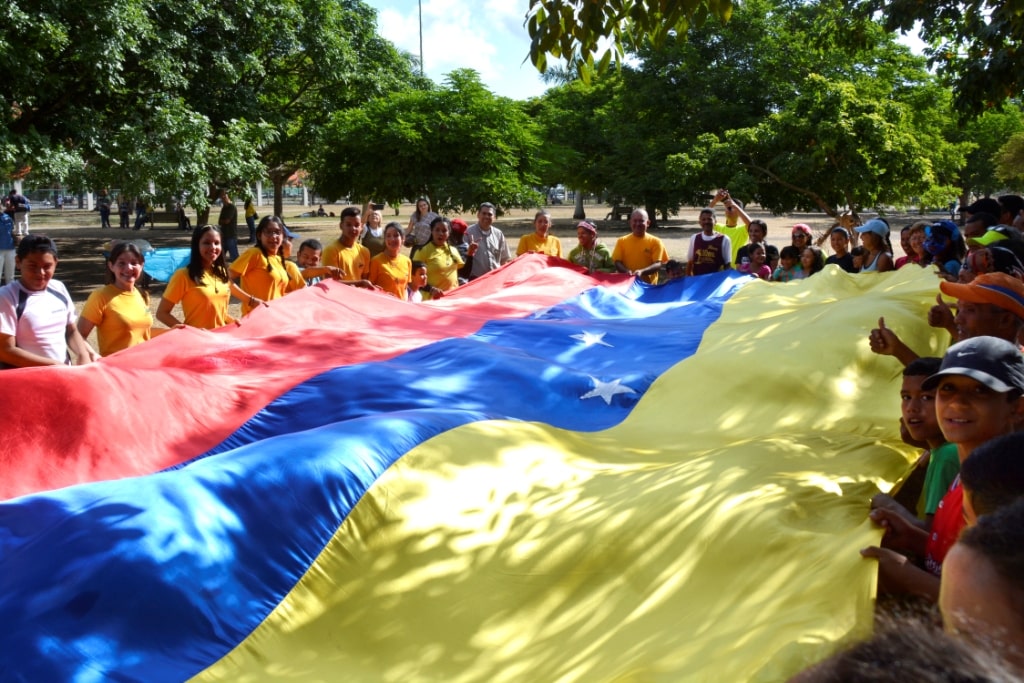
(875, 225)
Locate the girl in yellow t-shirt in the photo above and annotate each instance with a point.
(391, 270)
(442, 259)
(260, 274)
(202, 287)
(119, 310)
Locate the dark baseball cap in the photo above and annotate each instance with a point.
(995, 362)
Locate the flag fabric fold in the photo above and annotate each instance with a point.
(657, 483)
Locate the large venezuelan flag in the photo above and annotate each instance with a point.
(546, 477)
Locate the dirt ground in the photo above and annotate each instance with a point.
(81, 241)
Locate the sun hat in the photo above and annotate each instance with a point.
(802, 227)
(995, 362)
(459, 226)
(998, 289)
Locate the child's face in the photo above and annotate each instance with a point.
(308, 258)
(787, 262)
(126, 270)
(757, 257)
(755, 233)
(419, 278)
(37, 269)
(858, 261)
(918, 409)
(840, 243)
(969, 413)
(807, 259)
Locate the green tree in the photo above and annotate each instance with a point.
(184, 93)
(576, 143)
(458, 144)
(1009, 162)
(989, 135)
(831, 147)
(974, 45)
(572, 29)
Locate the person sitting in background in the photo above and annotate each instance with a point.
(590, 253)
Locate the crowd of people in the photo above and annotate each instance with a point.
(444, 254)
(951, 533)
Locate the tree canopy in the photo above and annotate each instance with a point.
(182, 92)
(458, 144)
(573, 30)
(974, 45)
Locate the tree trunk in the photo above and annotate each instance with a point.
(579, 214)
(203, 216)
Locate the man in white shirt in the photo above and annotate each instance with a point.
(492, 251)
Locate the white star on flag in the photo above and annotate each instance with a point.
(607, 389)
(591, 338)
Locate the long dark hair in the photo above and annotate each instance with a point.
(264, 223)
(119, 248)
(195, 264)
(417, 213)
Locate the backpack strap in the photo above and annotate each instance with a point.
(23, 300)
